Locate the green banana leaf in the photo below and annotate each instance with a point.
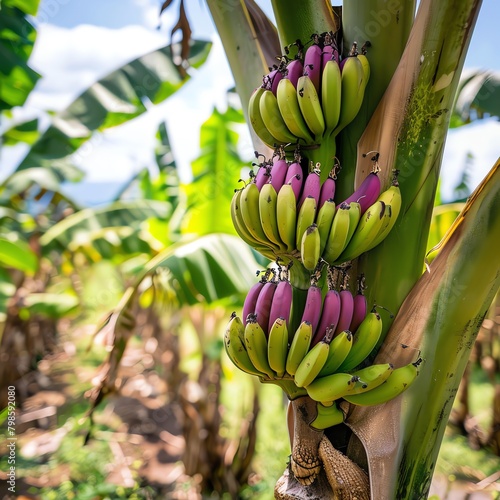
(112, 223)
(113, 100)
(478, 95)
(7, 290)
(17, 254)
(211, 269)
(26, 132)
(440, 319)
(51, 305)
(215, 175)
(17, 37)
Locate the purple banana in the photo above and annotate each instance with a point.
(360, 310)
(312, 309)
(278, 173)
(329, 315)
(327, 191)
(312, 64)
(295, 70)
(326, 55)
(271, 80)
(262, 176)
(251, 299)
(263, 305)
(295, 177)
(312, 187)
(346, 310)
(367, 193)
(282, 303)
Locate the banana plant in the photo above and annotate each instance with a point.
(415, 59)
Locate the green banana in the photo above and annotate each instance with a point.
(288, 104)
(273, 120)
(366, 68)
(309, 248)
(312, 363)
(277, 346)
(332, 387)
(324, 221)
(354, 218)
(286, 215)
(339, 349)
(310, 106)
(249, 206)
(399, 380)
(392, 198)
(364, 341)
(353, 89)
(256, 344)
(307, 214)
(268, 200)
(235, 347)
(370, 224)
(331, 87)
(337, 239)
(299, 347)
(256, 120)
(328, 416)
(372, 376)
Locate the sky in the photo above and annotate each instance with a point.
(79, 41)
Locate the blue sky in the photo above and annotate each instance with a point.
(81, 40)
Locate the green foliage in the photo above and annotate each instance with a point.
(17, 37)
(18, 255)
(215, 175)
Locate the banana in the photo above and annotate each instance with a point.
(294, 71)
(310, 247)
(299, 347)
(286, 215)
(277, 346)
(268, 200)
(337, 239)
(331, 96)
(364, 341)
(256, 344)
(263, 305)
(273, 120)
(312, 187)
(263, 175)
(392, 198)
(278, 173)
(295, 177)
(366, 231)
(366, 68)
(312, 363)
(290, 111)
(249, 206)
(310, 107)
(251, 298)
(307, 214)
(324, 221)
(328, 416)
(312, 307)
(235, 347)
(367, 192)
(398, 382)
(352, 91)
(372, 376)
(360, 309)
(312, 65)
(327, 188)
(256, 120)
(339, 350)
(238, 223)
(332, 387)
(354, 218)
(330, 314)
(346, 311)
(282, 303)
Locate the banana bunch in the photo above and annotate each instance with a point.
(311, 97)
(282, 213)
(322, 357)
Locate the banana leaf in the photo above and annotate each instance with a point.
(17, 37)
(51, 305)
(17, 254)
(209, 270)
(120, 96)
(88, 225)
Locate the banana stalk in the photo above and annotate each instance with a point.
(441, 317)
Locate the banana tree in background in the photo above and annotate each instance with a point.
(415, 63)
